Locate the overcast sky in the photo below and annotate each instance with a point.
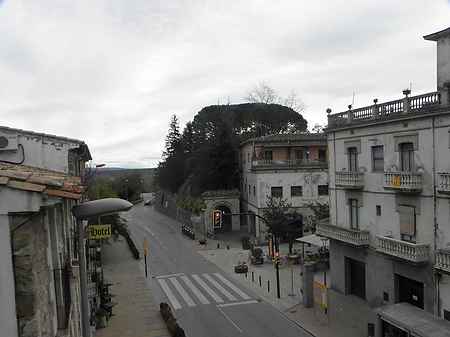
(111, 72)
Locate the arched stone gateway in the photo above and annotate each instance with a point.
(226, 201)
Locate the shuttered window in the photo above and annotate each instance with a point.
(407, 222)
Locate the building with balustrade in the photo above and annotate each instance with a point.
(389, 231)
(290, 166)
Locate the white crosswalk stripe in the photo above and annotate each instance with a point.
(218, 286)
(200, 289)
(210, 292)
(182, 292)
(173, 300)
(195, 290)
(232, 286)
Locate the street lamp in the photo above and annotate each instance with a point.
(82, 212)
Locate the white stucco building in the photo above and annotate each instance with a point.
(40, 181)
(389, 166)
(289, 166)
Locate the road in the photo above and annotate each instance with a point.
(207, 302)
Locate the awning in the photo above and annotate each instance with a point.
(314, 240)
(414, 320)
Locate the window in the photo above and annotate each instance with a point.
(406, 157)
(276, 192)
(306, 154)
(248, 157)
(447, 315)
(355, 272)
(378, 158)
(354, 213)
(407, 222)
(296, 191)
(352, 154)
(378, 210)
(298, 154)
(322, 155)
(322, 189)
(268, 155)
(254, 191)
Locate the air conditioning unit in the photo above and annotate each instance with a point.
(8, 143)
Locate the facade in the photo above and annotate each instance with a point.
(40, 181)
(389, 230)
(292, 167)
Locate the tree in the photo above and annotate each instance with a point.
(318, 128)
(321, 211)
(173, 138)
(282, 223)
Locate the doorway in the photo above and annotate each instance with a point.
(410, 291)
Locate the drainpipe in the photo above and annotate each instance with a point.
(435, 224)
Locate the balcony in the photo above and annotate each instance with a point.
(443, 261)
(412, 252)
(403, 181)
(388, 110)
(352, 236)
(350, 180)
(287, 164)
(444, 183)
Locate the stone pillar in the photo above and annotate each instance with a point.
(8, 320)
(308, 287)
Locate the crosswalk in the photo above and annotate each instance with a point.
(192, 290)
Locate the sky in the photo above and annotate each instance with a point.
(112, 72)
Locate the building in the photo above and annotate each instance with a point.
(289, 166)
(389, 167)
(40, 181)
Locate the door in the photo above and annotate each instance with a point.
(406, 157)
(352, 153)
(410, 291)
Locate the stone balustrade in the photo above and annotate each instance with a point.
(403, 181)
(350, 180)
(413, 252)
(442, 261)
(287, 163)
(444, 183)
(352, 236)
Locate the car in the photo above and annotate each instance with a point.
(241, 268)
(147, 202)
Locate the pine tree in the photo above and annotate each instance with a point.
(173, 139)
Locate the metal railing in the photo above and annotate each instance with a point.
(442, 260)
(385, 110)
(287, 163)
(444, 182)
(405, 181)
(409, 251)
(350, 179)
(352, 236)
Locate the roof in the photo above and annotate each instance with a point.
(287, 137)
(314, 240)
(33, 179)
(221, 193)
(438, 35)
(417, 321)
(70, 140)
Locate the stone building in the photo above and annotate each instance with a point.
(289, 166)
(226, 201)
(40, 181)
(389, 167)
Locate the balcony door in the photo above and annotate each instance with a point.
(354, 215)
(406, 157)
(352, 154)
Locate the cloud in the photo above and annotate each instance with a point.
(111, 72)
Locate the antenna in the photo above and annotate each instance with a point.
(353, 98)
(410, 86)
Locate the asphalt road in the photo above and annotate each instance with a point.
(207, 302)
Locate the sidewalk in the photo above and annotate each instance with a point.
(136, 314)
(290, 302)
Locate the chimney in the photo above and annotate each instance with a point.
(443, 62)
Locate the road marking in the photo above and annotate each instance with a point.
(173, 300)
(230, 320)
(232, 286)
(211, 293)
(182, 292)
(195, 290)
(221, 289)
(237, 303)
(169, 275)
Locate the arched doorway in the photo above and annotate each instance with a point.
(226, 219)
(251, 221)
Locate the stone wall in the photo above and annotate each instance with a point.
(34, 308)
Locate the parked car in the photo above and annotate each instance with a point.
(147, 202)
(241, 268)
(257, 256)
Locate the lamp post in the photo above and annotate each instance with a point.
(84, 211)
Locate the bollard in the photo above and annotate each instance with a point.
(253, 277)
(245, 275)
(268, 286)
(260, 283)
(218, 245)
(228, 246)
